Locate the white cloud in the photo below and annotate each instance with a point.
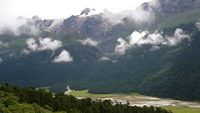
(156, 39)
(141, 15)
(198, 25)
(49, 44)
(89, 42)
(104, 58)
(31, 43)
(3, 44)
(64, 56)
(178, 37)
(122, 46)
(136, 37)
(150, 38)
(42, 44)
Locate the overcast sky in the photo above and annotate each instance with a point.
(47, 9)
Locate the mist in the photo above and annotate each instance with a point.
(143, 14)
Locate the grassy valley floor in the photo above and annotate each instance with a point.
(140, 100)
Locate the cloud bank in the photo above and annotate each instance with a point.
(42, 44)
(64, 57)
(156, 39)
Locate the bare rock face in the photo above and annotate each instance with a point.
(86, 11)
(73, 23)
(95, 26)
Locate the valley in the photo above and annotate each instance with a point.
(136, 99)
(151, 49)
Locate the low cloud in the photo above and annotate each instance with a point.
(156, 39)
(198, 25)
(11, 23)
(42, 44)
(142, 15)
(139, 16)
(31, 44)
(49, 44)
(89, 42)
(3, 44)
(20, 25)
(145, 13)
(55, 25)
(136, 37)
(104, 58)
(121, 46)
(64, 57)
(179, 36)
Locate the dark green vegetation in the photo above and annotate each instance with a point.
(172, 72)
(169, 72)
(30, 100)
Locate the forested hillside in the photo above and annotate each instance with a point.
(153, 50)
(31, 100)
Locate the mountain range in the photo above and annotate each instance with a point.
(153, 50)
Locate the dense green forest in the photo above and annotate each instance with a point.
(32, 100)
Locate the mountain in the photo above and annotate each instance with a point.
(153, 50)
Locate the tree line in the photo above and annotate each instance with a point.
(70, 104)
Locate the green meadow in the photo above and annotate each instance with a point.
(134, 97)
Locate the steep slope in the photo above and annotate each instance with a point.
(160, 63)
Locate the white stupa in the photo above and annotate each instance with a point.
(68, 90)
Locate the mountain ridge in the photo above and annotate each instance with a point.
(157, 57)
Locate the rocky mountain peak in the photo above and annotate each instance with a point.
(87, 11)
